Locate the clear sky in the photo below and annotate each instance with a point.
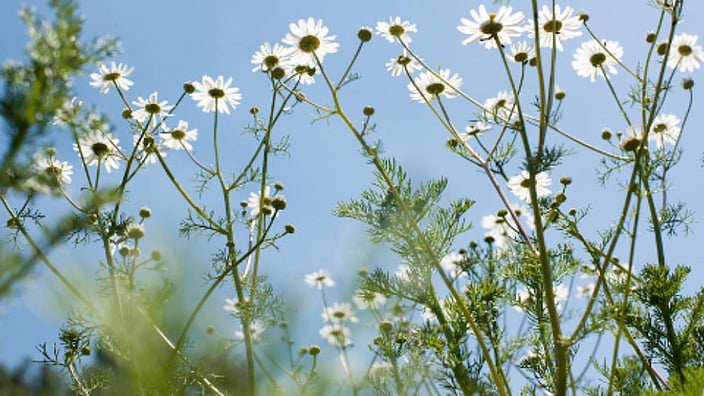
(172, 42)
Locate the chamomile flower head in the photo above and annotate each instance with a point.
(149, 109)
(474, 129)
(500, 107)
(97, 147)
(594, 58)
(522, 52)
(308, 39)
(520, 185)
(365, 299)
(148, 148)
(340, 312)
(685, 54)
(427, 86)
(397, 65)
(114, 75)
(487, 27)
(632, 139)
(50, 171)
(396, 28)
(336, 334)
(256, 329)
(268, 57)
(256, 203)
(303, 74)
(665, 129)
(179, 138)
(212, 94)
(502, 228)
(452, 263)
(559, 26)
(319, 279)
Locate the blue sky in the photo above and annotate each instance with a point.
(169, 43)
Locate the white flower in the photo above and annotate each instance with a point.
(309, 40)
(51, 170)
(522, 52)
(149, 148)
(429, 86)
(585, 290)
(319, 279)
(216, 94)
(149, 109)
(268, 58)
(336, 334)
(665, 129)
(303, 74)
(254, 202)
(179, 137)
(560, 26)
(363, 300)
(632, 138)
(593, 58)
(451, 263)
(339, 312)
(113, 75)
(519, 185)
(395, 28)
(487, 26)
(473, 130)
(232, 305)
(502, 229)
(397, 65)
(685, 55)
(256, 328)
(98, 147)
(500, 107)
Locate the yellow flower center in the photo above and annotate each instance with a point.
(216, 93)
(397, 30)
(111, 76)
(491, 27)
(553, 26)
(597, 59)
(309, 43)
(435, 88)
(152, 108)
(684, 50)
(271, 61)
(100, 149)
(178, 134)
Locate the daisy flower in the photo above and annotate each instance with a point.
(149, 109)
(475, 129)
(560, 26)
(428, 86)
(522, 52)
(395, 28)
(256, 328)
(319, 279)
(685, 55)
(98, 147)
(665, 129)
(255, 202)
(232, 305)
(503, 228)
(631, 140)
(500, 107)
(149, 148)
(51, 170)
(269, 58)
(593, 58)
(111, 76)
(519, 185)
(339, 312)
(397, 65)
(365, 299)
(309, 40)
(178, 138)
(336, 334)
(485, 27)
(216, 94)
(451, 263)
(304, 74)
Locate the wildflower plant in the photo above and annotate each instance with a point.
(520, 306)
